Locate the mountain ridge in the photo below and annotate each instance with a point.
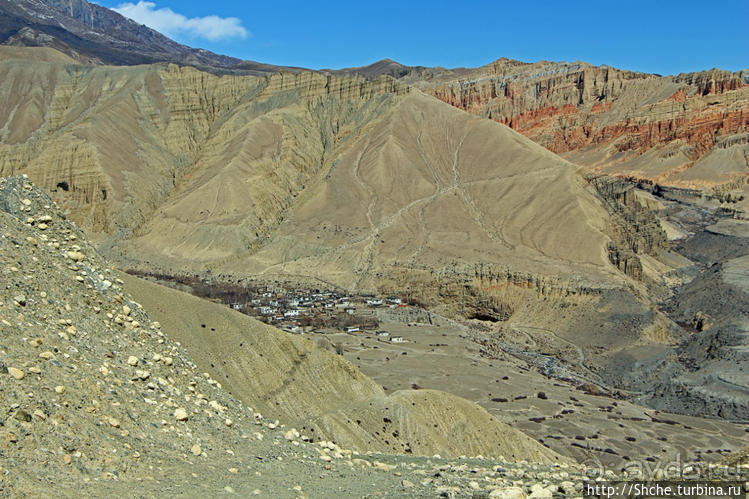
(90, 33)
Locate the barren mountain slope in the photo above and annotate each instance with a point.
(58, 122)
(220, 162)
(687, 130)
(425, 186)
(429, 188)
(256, 160)
(176, 127)
(408, 196)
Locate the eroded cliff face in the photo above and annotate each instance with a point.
(109, 141)
(635, 228)
(609, 120)
(520, 94)
(113, 144)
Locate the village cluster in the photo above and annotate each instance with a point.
(304, 311)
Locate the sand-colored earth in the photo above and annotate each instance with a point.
(325, 396)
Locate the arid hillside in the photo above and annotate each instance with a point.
(287, 377)
(687, 131)
(367, 175)
(363, 184)
(222, 275)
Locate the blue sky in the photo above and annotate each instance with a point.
(665, 37)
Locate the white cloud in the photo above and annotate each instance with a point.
(172, 24)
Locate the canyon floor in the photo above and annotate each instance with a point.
(590, 428)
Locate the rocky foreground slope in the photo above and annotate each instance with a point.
(96, 398)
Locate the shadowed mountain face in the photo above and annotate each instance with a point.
(92, 34)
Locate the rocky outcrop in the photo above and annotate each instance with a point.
(635, 228)
(625, 260)
(311, 85)
(714, 81)
(638, 226)
(506, 90)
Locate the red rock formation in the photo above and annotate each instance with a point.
(600, 107)
(537, 117)
(570, 106)
(679, 96)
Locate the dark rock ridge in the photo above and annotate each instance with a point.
(90, 33)
(636, 229)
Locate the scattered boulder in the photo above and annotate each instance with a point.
(76, 256)
(508, 493)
